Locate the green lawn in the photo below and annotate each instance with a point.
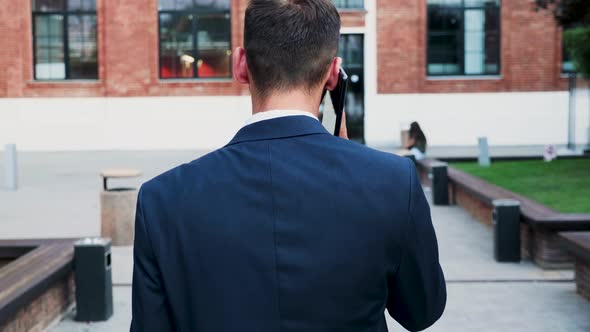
(563, 185)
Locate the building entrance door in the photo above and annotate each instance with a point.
(352, 53)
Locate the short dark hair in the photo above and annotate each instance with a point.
(290, 43)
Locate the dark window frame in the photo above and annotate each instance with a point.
(566, 55)
(65, 14)
(461, 41)
(195, 11)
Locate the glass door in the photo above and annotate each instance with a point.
(352, 53)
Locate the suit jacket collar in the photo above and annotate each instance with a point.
(283, 127)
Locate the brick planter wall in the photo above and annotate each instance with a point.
(474, 206)
(44, 310)
(540, 245)
(583, 277)
(526, 235)
(577, 243)
(548, 252)
(543, 247)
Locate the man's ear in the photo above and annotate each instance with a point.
(333, 74)
(240, 66)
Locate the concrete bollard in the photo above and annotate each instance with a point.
(484, 152)
(117, 208)
(10, 166)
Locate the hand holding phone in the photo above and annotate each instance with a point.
(343, 130)
(333, 118)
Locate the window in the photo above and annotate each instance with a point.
(195, 39)
(64, 39)
(463, 37)
(567, 65)
(349, 4)
(351, 49)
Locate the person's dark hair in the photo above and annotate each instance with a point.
(416, 132)
(290, 43)
(418, 135)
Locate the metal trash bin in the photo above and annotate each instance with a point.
(117, 208)
(94, 281)
(506, 220)
(440, 183)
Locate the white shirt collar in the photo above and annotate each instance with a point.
(273, 114)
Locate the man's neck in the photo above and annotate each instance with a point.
(293, 100)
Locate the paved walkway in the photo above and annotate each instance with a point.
(59, 198)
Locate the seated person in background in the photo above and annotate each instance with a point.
(416, 141)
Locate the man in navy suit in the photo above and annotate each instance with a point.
(287, 228)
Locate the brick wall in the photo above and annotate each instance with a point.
(548, 252)
(128, 54)
(39, 314)
(353, 18)
(475, 207)
(583, 277)
(530, 51)
(131, 56)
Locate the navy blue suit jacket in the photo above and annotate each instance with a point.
(286, 229)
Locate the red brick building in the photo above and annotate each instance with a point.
(156, 73)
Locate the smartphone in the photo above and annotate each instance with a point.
(332, 117)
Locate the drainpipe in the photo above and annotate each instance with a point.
(571, 129)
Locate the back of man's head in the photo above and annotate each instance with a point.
(290, 44)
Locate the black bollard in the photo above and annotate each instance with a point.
(506, 220)
(440, 183)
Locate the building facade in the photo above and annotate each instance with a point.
(156, 74)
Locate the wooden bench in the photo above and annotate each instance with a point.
(540, 224)
(578, 244)
(37, 285)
